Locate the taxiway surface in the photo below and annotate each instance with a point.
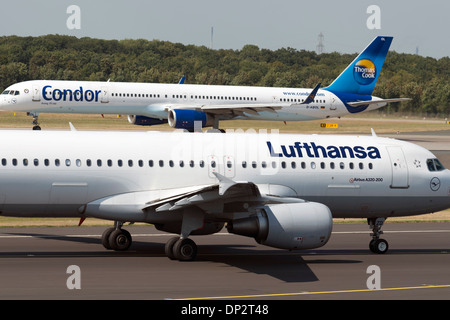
(34, 264)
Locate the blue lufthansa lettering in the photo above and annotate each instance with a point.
(311, 150)
(69, 95)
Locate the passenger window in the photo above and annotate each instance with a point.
(191, 163)
(68, 162)
(120, 163)
(202, 163)
(181, 163)
(36, 162)
(99, 163)
(254, 165)
(161, 163)
(14, 162)
(150, 163)
(140, 163)
(229, 164)
(171, 163)
(78, 162)
(293, 165)
(88, 162)
(4, 162)
(109, 162)
(244, 164)
(130, 163)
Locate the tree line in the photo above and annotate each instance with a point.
(423, 79)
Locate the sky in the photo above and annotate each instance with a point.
(346, 25)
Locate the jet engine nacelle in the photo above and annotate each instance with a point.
(287, 226)
(185, 119)
(144, 121)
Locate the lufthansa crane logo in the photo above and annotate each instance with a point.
(435, 183)
(364, 71)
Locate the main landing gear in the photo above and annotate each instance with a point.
(177, 248)
(183, 249)
(377, 245)
(116, 238)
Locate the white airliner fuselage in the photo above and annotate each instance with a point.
(281, 189)
(154, 100)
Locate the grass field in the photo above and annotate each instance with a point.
(350, 124)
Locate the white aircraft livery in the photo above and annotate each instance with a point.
(281, 189)
(186, 106)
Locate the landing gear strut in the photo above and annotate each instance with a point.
(377, 245)
(116, 238)
(35, 121)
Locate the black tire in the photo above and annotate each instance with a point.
(120, 240)
(185, 250)
(105, 238)
(169, 248)
(379, 246)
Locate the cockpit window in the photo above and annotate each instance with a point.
(435, 165)
(11, 92)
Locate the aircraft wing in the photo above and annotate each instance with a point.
(363, 103)
(212, 198)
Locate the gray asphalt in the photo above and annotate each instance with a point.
(34, 264)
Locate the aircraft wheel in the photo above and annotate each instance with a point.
(379, 246)
(105, 238)
(36, 128)
(169, 248)
(185, 250)
(120, 240)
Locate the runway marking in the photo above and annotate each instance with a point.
(314, 293)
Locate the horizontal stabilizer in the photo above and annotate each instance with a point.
(363, 103)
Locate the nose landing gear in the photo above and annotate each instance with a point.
(35, 121)
(377, 245)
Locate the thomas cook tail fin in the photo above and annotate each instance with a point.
(362, 74)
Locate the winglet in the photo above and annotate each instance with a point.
(312, 95)
(182, 80)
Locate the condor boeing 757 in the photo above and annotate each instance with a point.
(281, 189)
(184, 105)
